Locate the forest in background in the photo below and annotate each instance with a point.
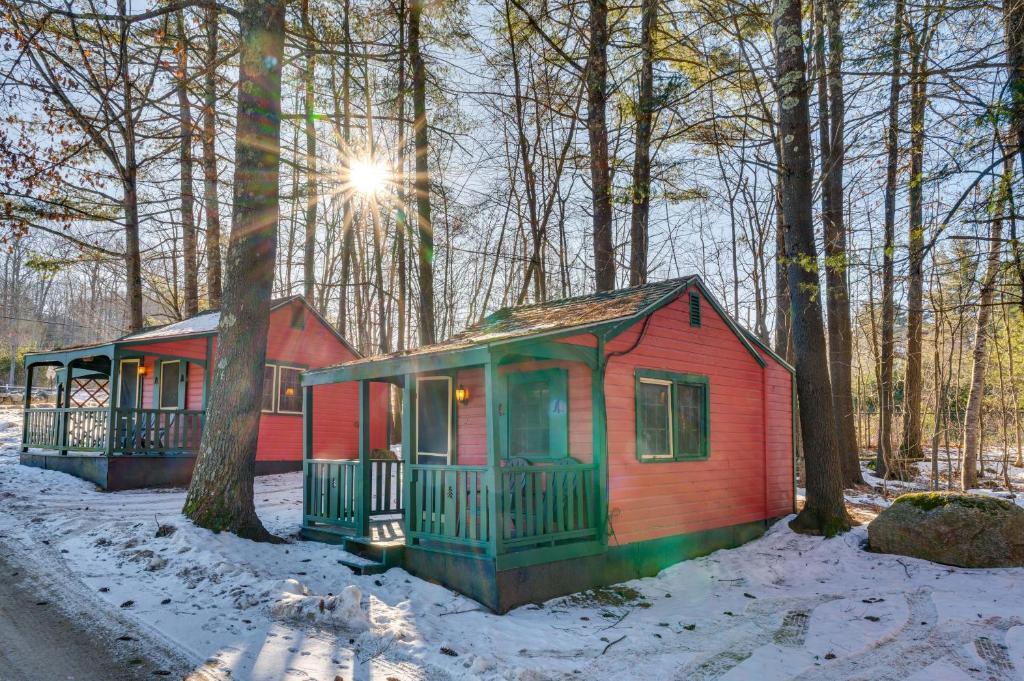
(483, 119)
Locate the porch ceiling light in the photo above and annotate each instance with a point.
(462, 394)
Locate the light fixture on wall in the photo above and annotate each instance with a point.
(142, 370)
(290, 392)
(462, 394)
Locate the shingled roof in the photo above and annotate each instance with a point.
(524, 321)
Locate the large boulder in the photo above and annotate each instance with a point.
(966, 530)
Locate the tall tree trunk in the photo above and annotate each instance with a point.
(1013, 26)
(189, 240)
(210, 179)
(972, 416)
(402, 222)
(383, 340)
(783, 316)
(887, 353)
(597, 128)
(421, 183)
(911, 446)
(639, 220)
(347, 235)
(832, 106)
(221, 494)
(824, 511)
(309, 250)
(129, 184)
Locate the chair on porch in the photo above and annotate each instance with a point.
(147, 423)
(560, 490)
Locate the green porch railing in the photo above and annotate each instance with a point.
(450, 505)
(43, 428)
(330, 488)
(545, 505)
(385, 487)
(157, 431)
(136, 431)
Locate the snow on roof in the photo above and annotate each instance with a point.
(205, 322)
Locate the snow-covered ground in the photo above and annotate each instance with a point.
(784, 606)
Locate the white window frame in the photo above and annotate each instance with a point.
(448, 419)
(160, 387)
(277, 389)
(669, 405)
(273, 391)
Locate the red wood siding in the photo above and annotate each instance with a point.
(309, 345)
(779, 406)
(471, 419)
(335, 408)
(194, 348)
(748, 475)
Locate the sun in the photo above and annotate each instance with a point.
(368, 177)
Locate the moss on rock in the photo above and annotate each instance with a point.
(929, 501)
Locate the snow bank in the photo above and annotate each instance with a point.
(295, 602)
(780, 607)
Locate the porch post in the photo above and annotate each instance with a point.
(114, 392)
(307, 424)
(62, 434)
(307, 446)
(408, 428)
(29, 370)
(363, 492)
(494, 393)
(599, 419)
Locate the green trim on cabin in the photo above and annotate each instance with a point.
(557, 380)
(531, 345)
(64, 357)
(675, 380)
(694, 307)
(395, 366)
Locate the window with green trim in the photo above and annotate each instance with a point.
(671, 416)
(538, 414)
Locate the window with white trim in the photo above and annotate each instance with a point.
(434, 419)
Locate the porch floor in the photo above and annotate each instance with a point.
(388, 531)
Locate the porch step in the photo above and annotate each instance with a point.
(387, 554)
(364, 568)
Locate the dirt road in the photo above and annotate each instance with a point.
(39, 642)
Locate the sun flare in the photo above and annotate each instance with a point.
(368, 177)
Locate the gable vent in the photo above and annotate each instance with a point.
(695, 309)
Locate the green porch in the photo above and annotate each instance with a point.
(98, 427)
(502, 513)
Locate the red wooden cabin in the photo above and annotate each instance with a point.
(559, 446)
(129, 413)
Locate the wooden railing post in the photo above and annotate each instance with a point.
(29, 370)
(114, 392)
(408, 429)
(363, 491)
(494, 392)
(62, 432)
(599, 421)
